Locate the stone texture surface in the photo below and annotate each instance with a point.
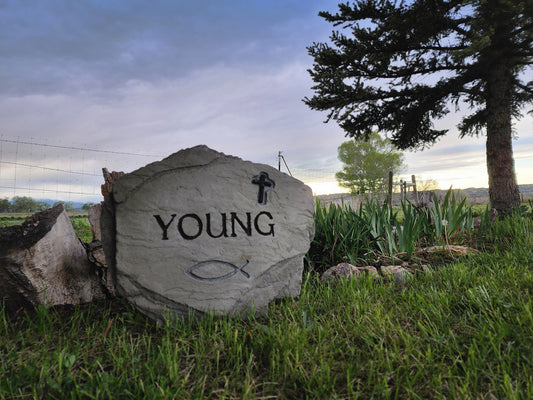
(201, 231)
(345, 270)
(109, 179)
(396, 272)
(43, 262)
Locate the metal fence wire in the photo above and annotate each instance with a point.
(30, 167)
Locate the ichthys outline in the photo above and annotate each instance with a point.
(191, 270)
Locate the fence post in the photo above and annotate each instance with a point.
(389, 199)
(413, 179)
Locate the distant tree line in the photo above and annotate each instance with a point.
(24, 204)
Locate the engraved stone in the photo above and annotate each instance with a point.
(201, 231)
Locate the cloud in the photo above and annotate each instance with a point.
(155, 77)
(66, 46)
(247, 113)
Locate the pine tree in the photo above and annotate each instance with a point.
(405, 64)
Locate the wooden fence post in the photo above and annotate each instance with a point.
(413, 179)
(389, 199)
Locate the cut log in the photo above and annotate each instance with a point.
(96, 255)
(93, 215)
(95, 251)
(42, 262)
(107, 226)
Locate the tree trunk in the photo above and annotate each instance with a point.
(503, 189)
(42, 262)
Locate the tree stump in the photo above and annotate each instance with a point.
(42, 262)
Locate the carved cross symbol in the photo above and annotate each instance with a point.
(265, 184)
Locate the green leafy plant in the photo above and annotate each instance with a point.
(450, 218)
(341, 234)
(381, 219)
(410, 229)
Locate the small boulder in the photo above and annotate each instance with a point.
(396, 272)
(345, 270)
(201, 231)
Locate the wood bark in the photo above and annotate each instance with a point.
(503, 188)
(95, 250)
(108, 227)
(42, 262)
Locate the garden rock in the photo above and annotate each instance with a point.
(396, 272)
(345, 270)
(42, 262)
(201, 231)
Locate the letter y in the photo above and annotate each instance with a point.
(163, 226)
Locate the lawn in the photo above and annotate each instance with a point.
(79, 221)
(460, 330)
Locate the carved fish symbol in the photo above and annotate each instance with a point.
(205, 265)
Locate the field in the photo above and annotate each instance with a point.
(79, 221)
(461, 330)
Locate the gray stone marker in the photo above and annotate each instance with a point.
(201, 231)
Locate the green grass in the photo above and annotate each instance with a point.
(8, 220)
(80, 223)
(81, 226)
(461, 331)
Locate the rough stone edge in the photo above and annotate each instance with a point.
(268, 281)
(269, 278)
(131, 182)
(108, 231)
(173, 309)
(128, 184)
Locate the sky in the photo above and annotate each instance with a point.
(154, 77)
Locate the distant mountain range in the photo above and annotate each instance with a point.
(475, 195)
(484, 192)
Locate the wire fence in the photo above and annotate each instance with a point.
(54, 171)
(51, 172)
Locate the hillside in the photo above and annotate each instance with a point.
(474, 195)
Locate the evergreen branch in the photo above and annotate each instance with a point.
(442, 48)
(409, 72)
(523, 28)
(526, 88)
